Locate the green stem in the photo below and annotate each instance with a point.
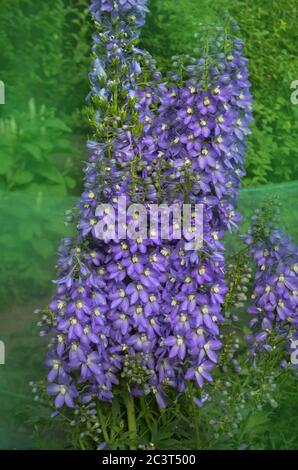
(131, 419)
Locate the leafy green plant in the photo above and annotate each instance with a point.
(47, 45)
(270, 32)
(36, 161)
(31, 225)
(28, 142)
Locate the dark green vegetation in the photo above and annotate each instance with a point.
(44, 62)
(252, 410)
(269, 29)
(45, 55)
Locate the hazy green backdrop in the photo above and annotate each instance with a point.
(44, 62)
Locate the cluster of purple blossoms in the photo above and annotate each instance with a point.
(275, 296)
(147, 311)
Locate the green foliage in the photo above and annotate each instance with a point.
(77, 32)
(44, 53)
(250, 410)
(255, 409)
(170, 27)
(35, 178)
(31, 226)
(24, 423)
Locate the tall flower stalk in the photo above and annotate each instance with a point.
(274, 321)
(140, 317)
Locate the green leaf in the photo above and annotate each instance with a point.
(44, 247)
(22, 177)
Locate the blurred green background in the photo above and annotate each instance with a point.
(44, 62)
